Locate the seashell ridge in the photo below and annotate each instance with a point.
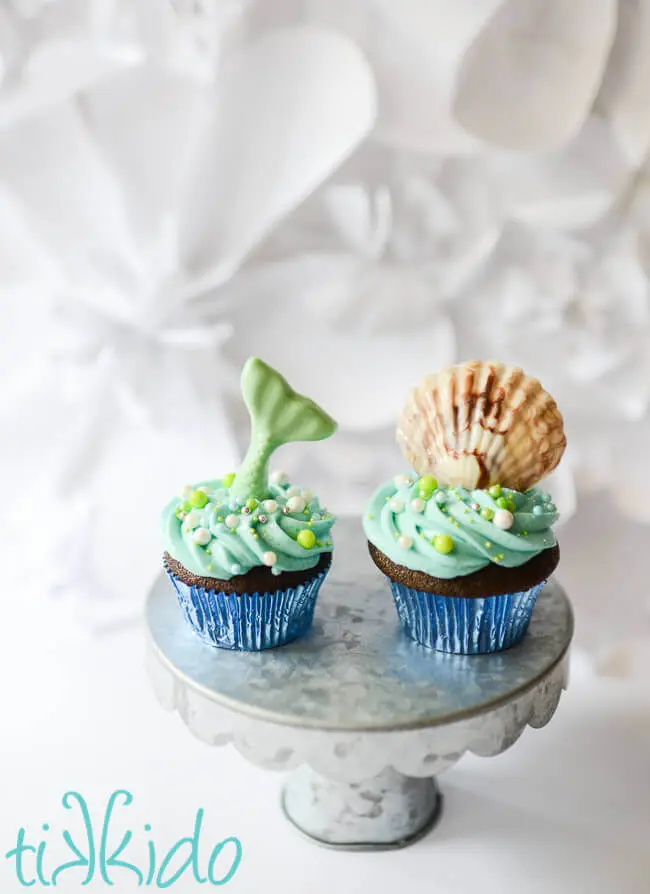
(482, 423)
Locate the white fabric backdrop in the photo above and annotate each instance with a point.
(359, 191)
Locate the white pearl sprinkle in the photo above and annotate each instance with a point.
(503, 519)
(418, 505)
(186, 491)
(269, 505)
(402, 481)
(269, 558)
(278, 477)
(201, 536)
(296, 504)
(474, 506)
(293, 491)
(405, 541)
(192, 519)
(308, 495)
(396, 504)
(232, 521)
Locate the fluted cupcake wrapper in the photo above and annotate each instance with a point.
(249, 621)
(465, 626)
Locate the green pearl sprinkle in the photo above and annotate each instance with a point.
(228, 480)
(306, 539)
(442, 543)
(495, 491)
(487, 514)
(502, 503)
(251, 504)
(197, 499)
(428, 483)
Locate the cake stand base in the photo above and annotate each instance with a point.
(389, 811)
(365, 719)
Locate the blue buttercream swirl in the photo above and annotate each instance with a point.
(393, 523)
(223, 552)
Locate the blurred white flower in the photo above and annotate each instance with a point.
(145, 214)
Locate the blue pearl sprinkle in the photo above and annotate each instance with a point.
(538, 510)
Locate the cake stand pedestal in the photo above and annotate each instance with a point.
(365, 718)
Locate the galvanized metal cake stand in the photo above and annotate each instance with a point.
(365, 718)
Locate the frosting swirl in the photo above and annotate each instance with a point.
(451, 531)
(214, 533)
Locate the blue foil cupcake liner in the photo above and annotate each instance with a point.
(248, 621)
(465, 626)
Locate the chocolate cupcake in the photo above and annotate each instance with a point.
(466, 540)
(247, 553)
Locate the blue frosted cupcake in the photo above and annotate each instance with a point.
(466, 539)
(247, 554)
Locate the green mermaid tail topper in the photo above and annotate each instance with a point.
(279, 415)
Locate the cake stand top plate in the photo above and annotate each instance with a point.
(356, 670)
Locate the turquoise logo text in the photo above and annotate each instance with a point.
(98, 853)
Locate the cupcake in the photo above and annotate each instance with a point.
(465, 539)
(247, 553)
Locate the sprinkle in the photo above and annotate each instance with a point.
(269, 558)
(251, 504)
(418, 505)
(197, 499)
(210, 567)
(503, 519)
(278, 477)
(440, 496)
(404, 541)
(402, 481)
(192, 520)
(201, 536)
(396, 504)
(307, 495)
(475, 506)
(488, 544)
(295, 503)
(306, 539)
(232, 521)
(293, 491)
(442, 543)
(187, 490)
(328, 543)
(220, 518)
(538, 510)
(305, 512)
(204, 488)
(262, 518)
(228, 480)
(236, 568)
(370, 516)
(269, 506)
